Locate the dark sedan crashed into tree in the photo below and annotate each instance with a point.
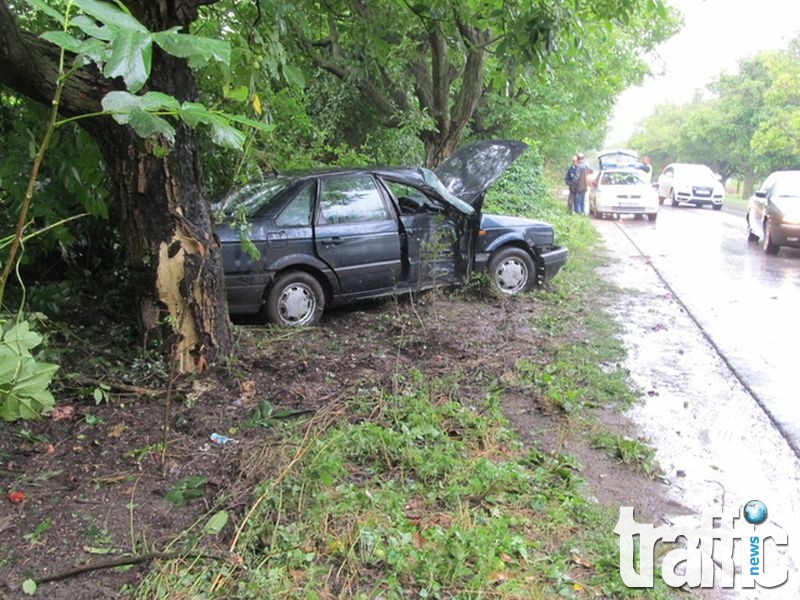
(295, 244)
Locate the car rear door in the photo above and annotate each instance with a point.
(357, 234)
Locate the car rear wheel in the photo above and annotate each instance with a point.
(295, 299)
(770, 247)
(512, 271)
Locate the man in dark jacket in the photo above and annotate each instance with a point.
(570, 178)
(582, 172)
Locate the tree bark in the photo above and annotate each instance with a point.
(160, 201)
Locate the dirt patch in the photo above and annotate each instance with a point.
(101, 483)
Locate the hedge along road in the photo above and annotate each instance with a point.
(717, 401)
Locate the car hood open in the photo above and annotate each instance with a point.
(471, 169)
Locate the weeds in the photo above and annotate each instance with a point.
(628, 451)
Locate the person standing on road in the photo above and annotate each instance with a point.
(570, 178)
(647, 167)
(582, 171)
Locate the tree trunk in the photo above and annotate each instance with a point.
(159, 197)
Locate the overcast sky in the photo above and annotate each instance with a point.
(715, 36)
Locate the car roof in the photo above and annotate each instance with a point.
(692, 165)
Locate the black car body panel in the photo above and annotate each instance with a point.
(366, 233)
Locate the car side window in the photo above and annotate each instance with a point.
(299, 211)
(353, 199)
(412, 200)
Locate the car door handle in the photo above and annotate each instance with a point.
(331, 242)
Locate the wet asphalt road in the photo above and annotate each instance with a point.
(746, 302)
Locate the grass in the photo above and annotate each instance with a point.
(415, 494)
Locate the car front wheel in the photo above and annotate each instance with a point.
(295, 299)
(512, 271)
(675, 199)
(770, 247)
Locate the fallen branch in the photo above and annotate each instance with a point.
(123, 561)
(119, 387)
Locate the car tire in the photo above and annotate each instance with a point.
(295, 299)
(674, 199)
(716, 206)
(652, 216)
(770, 247)
(661, 200)
(511, 271)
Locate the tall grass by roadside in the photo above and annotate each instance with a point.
(409, 493)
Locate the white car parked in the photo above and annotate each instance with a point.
(685, 183)
(625, 191)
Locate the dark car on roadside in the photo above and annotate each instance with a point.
(295, 244)
(773, 212)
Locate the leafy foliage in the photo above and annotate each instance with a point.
(747, 123)
(24, 381)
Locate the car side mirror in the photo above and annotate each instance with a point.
(761, 194)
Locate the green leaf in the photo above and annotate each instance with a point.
(239, 94)
(216, 523)
(131, 54)
(29, 587)
(46, 9)
(294, 76)
(249, 247)
(147, 125)
(63, 40)
(92, 29)
(21, 339)
(10, 367)
(226, 136)
(157, 101)
(120, 105)
(194, 113)
(35, 383)
(259, 125)
(197, 50)
(111, 14)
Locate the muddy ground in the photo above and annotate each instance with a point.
(96, 481)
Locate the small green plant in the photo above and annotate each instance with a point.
(186, 490)
(24, 381)
(38, 531)
(628, 451)
(266, 415)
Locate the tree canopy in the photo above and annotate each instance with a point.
(747, 125)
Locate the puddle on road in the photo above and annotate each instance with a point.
(715, 444)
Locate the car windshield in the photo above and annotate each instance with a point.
(621, 178)
(431, 180)
(251, 198)
(696, 171)
(787, 186)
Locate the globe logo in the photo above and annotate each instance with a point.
(755, 512)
